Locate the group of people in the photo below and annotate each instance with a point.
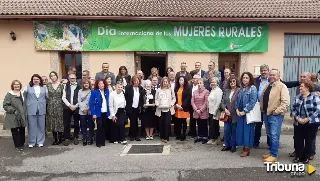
(205, 97)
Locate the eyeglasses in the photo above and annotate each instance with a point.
(233, 81)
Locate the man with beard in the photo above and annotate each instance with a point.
(261, 82)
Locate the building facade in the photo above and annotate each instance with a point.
(289, 43)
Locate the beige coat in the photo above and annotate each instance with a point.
(168, 101)
(279, 99)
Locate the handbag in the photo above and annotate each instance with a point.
(224, 117)
(254, 116)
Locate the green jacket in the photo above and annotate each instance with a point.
(15, 113)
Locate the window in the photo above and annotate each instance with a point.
(73, 59)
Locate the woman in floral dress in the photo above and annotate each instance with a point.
(55, 108)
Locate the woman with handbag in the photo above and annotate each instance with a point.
(245, 102)
(199, 104)
(99, 109)
(148, 116)
(228, 115)
(214, 101)
(117, 104)
(85, 118)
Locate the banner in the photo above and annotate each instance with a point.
(151, 36)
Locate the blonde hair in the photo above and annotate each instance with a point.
(162, 81)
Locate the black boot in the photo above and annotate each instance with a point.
(55, 138)
(183, 137)
(60, 138)
(84, 142)
(90, 142)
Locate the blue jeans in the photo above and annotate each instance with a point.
(273, 124)
(257, 133)
(86, 122)
(230, 134)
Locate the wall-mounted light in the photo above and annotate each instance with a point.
(13, 35)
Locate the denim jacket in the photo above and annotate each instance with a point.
(246, 99)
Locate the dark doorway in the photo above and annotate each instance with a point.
(147, 62)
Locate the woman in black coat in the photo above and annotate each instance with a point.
(183, 103)
(148, 116)
(133, 106)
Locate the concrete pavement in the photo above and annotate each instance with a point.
(187, 161)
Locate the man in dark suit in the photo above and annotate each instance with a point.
(183, 72)
(200, 72)
(105, 72)
(155, 84)
(85, 75)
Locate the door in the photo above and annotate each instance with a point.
(302, 54)
(146, 61)
(230, 61)
(71, 59)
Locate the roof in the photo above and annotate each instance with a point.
(205, 9)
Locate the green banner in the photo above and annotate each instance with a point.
(151, 36)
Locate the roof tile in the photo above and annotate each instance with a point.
(168, 8)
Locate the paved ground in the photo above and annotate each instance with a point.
(187, 161)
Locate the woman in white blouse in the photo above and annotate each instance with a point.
(117, 104)
(111, 88)
(214, 101)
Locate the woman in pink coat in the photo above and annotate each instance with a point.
(199, 104)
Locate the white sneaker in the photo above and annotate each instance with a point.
(124, 142)
(210, 142)
(147, 138)
(151, 137)
(40, 145)
(115, 142)
(30, 146)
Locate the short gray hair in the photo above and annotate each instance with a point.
(216, 79)
(147, 82)
(264, 66)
